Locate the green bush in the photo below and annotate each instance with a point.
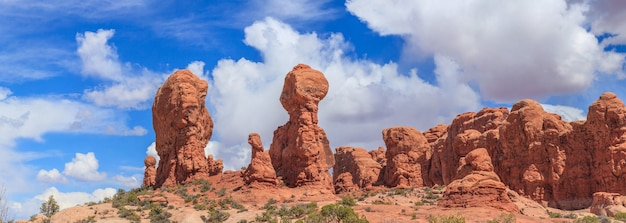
(215, 216)
(128, 214)
(504, 218)
(587, 219)
(159, 215)
(269, 203)
(221, 192)
(348, 201)
(620, 216)
(340, 213)
(457, 218)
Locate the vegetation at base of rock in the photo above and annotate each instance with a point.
(348, 201)
(620, 216)
(456, 218)
(90, 219)
(308, 213)
(123, 198)
(128, 214)
(159, 215)
(504, 218)
(559, 215)
(215, 216)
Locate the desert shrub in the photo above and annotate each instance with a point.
(271, 202)
(123, 198)
(90, 219)
(620, 216)
(457, 218)
(348, 201)
(587, 219)
(340, 213)
(215, 216)
(430, 195)
(128, 214)
(504, 218)
(160, 215)
(221, 192)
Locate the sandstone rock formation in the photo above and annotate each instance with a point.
(183, 128)
(149, 175)
(300, 150)
(215, 166)
(608, 204)
(408, 157)
(354, 169)
(260, 169)
(476, 185)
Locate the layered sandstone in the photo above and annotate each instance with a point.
(183, 127)
(476, 185)
(260, 170)
(408, 157)
(149, 175)
(300, 151)
(608, 204)
(354, 169)
(215, 166)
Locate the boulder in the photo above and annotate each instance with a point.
(408, 157)
(608, 204)
(300, 151)
(183, 127)
(363, 170)
(476, 185)
(260, 170)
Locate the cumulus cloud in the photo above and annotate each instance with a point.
(128, 182)
(51, 176)
(607, 17)
(84, 167)
(4, 93)
(364, 97)
(568, 113)
(211, 148)
(510, 49)
(100, 59)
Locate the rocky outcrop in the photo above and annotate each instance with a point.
(215, 166)
(300, 150)
(467, 132)
(149, 175)
(354, 169)
(260, 170)
(408, 157)
(608, 204)
(532, 151)
(183, 127)
(476, 185)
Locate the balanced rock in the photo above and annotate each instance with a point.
(149, 175)
(356, 165)
(183, 128)
(608, 204)
(300, 150)
(408, 157)
(260, 169)
(476, 185)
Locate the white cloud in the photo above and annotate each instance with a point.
(100, 59)
(84, 167)
(128, 182)
(364, 97)
(511, 49)
(607, 17)
(4, 93)
(51, 176)
(211, 148)
(295, 11)
(566, 112)
(197, 68)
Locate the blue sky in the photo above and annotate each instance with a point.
(77, 78)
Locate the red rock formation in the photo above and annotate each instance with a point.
(467, 132)
(408, 157)
(215, 166)
(476, 185)
(183, 128)
(608, 204)
(260, 169)
(356, 165)
(300, 150)
(149, 175)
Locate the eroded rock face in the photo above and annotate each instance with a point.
(215, 166)
(408, 157)
(362, 169)
(149, 175)
(183, 128)
(300, 150)
(476, 185)
(608, 204)
(260, 169)
(533, 151)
